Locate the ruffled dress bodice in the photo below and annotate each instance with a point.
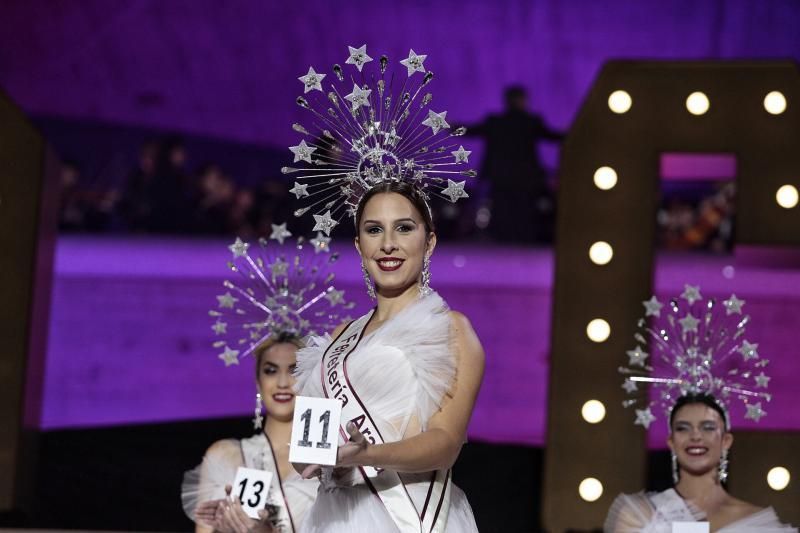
(654, 512)
(207, 481)
(402, 372)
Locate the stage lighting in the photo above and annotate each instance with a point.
(593, 411)
(619, 102)
(598, 330)
(601, 253)
(728, 271)
(605, 178)
(786, 196)
(697, 103)
(778, 478)
(590, 489)
(775, 103)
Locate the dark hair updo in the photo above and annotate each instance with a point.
(703, 398)
(407, 191)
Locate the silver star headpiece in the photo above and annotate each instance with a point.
(369, 126)
(281, 288)
(694, 345)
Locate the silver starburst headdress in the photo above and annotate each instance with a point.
(382, 130)
(281, 289)
(696, 346)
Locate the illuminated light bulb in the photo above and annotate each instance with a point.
(697, 103)
(620, 102)
(775, 103)
(787, 196)
(601, 253)
(598, 330)
(593, 411)
(605, 178)
(590, 489)
(778, 478)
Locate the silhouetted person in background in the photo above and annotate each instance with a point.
(521, 200)
(136, 205)
(171, 192)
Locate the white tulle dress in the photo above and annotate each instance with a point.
(401, 372)
(207, 481)
(654, 512)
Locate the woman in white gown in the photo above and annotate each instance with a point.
(204, 488)
(699, 442)
(407, 373)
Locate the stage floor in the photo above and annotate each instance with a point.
(130, 337)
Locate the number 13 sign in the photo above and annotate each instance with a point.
(315, 431)
(251, 486)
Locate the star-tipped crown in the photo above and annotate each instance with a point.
(696, 347)
(281, 289)
(368, 126)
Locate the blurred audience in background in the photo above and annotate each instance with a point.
(164, 194)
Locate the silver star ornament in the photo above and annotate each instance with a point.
(637, 356)
(755, 412)
(689, 323)
(691, 294)
(280, 233)
(312, 80)
(219, 327)
(630, 386)
(414, 62)
(321, 243)
(454, 190)
(299, 190)
(229, 357)
(227, 300)
(461, 155)
(652, 307)
(762, 380)
(436, 121)
(302, 152)
(359, 97)
(748, 350)
(324, 223)
(238, 248)
(334, 296)
(733, 305)
(644, 417)
(358, 57)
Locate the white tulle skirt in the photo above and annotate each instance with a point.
(357, 510)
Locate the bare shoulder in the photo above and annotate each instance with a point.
(466, 340)
(738, 509)
(460, 320)
(224, 450)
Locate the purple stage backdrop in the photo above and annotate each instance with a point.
(130, 337)
(230, 69)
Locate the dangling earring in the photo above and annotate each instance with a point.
(723, 467)
(675, 473)
(425, 282)
(258, 419)
(368, 281)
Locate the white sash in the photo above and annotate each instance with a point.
(385, 484)
(253, 448)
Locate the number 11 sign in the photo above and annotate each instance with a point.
(315, 431)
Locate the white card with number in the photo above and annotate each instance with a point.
(251, 487)
(315, 430)
(690, 527)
